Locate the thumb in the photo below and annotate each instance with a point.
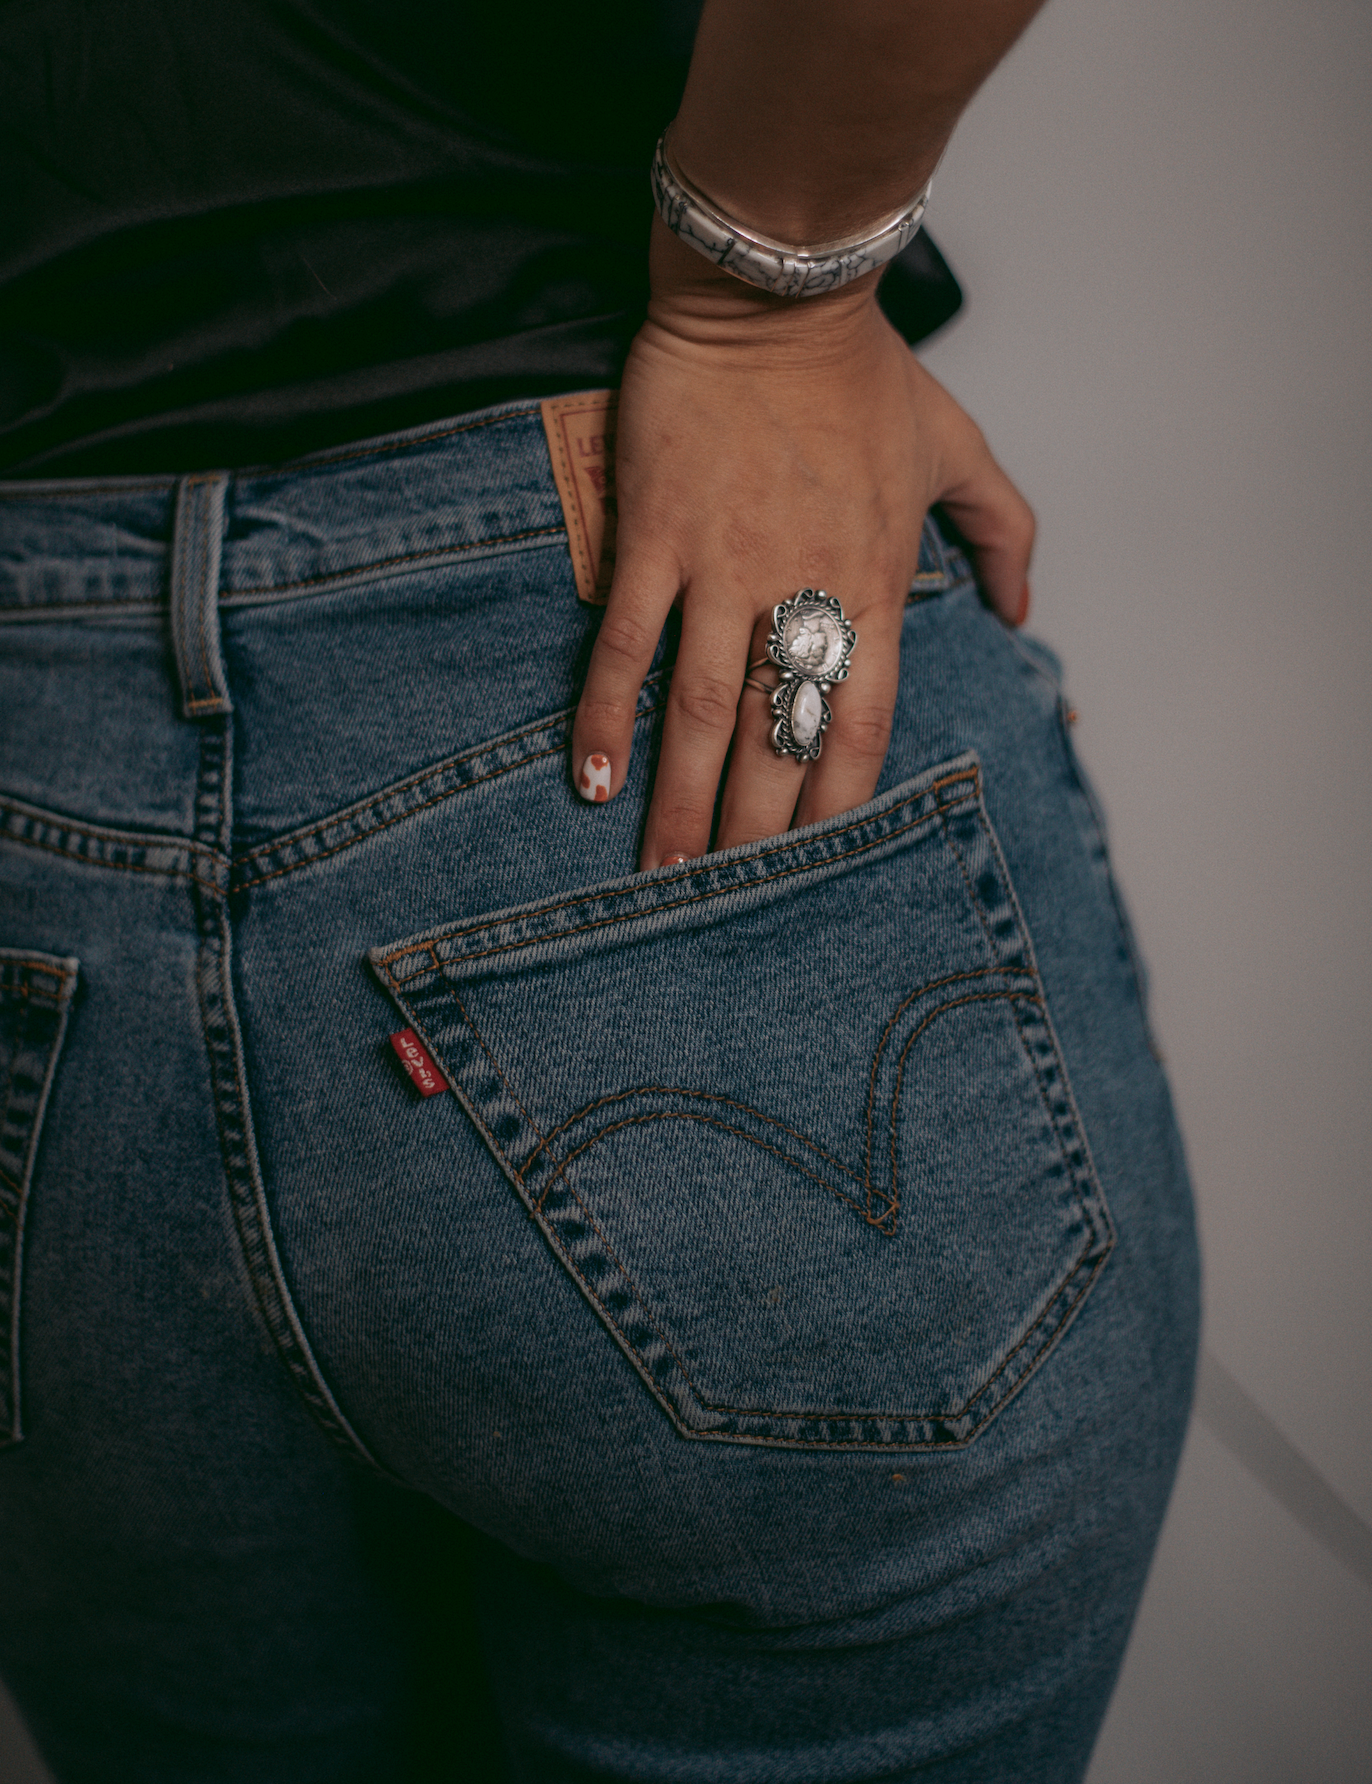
(991, 515)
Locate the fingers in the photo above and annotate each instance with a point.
(701, 710)
(602, 733)
(850, 762)
(761, 791)
(990, 513)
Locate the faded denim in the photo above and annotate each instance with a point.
(794, 1301)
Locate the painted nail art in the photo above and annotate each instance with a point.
(594, 784)
(674, 860)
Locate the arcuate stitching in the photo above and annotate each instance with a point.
(560, 1166)
(914, 997)
(702, 1095)
(955, 1004)
(558, 1175)
(846, 1414)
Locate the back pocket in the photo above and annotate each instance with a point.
(794, 1118)
(35, 996)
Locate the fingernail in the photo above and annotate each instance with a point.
(594, 784)
(674, 860)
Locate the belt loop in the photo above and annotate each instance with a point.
(197, 535)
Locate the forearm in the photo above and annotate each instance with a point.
(812, 119)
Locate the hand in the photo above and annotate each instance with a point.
(765, 446)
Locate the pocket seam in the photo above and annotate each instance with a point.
(970, 775)
(1012, 954)
(45, 983)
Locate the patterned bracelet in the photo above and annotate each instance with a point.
(785, 271)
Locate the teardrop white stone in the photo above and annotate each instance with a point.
(807, 709)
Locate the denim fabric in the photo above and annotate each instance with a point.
(788, 1317)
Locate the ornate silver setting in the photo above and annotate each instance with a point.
(779, 267)
(810, 644)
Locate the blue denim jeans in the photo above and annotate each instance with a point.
(767, 1357)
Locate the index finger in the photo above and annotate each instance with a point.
(602, 733)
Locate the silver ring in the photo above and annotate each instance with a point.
(810, 644)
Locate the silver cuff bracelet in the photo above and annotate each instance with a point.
(776, 267)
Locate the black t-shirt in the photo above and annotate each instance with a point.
(237, 232)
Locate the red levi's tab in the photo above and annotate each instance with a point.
(422, 1071)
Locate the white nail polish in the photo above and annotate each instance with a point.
(594, 782)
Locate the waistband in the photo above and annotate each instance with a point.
(477, 485)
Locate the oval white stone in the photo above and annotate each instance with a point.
(807, 709)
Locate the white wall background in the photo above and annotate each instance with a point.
(1163, 215)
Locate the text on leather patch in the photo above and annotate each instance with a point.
(581, 444)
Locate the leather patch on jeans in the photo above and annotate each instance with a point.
(581, 444)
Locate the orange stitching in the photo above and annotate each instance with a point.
(399, 787)
(280, 588)
(142, 839)
(848, 1415)
(681, 1115)
(170, 873)
(642, 1304)
(954, 1004)
(633, 891)
(1052, 1122)
(1082, 1259)
(976, 903)
(503, 1079)
(706, 1096)
(782, 1412)
(60, 973)
(16, 1054)
(676, 904)
(980, 972)
(407, 557)
(375, 829)
(267, 849)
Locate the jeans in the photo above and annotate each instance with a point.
(767, 1355)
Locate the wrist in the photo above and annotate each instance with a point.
(694, 300)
